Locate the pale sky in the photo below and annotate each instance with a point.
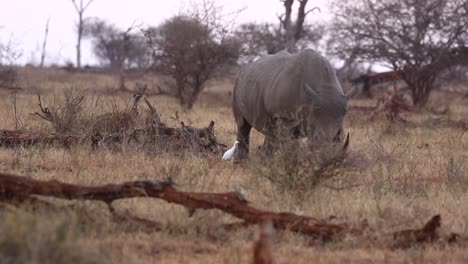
(23, 21)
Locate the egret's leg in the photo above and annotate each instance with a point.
(243, 136)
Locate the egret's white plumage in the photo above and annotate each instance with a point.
(230, 152)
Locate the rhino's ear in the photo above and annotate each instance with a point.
(351, 93)
(311, 91)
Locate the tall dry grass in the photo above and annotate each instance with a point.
(398, 177)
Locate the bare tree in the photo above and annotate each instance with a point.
(268, 38)
(125, 49)
(293, 32)
(421, 38)
(43, 52)
(190, 48)
(80, 9)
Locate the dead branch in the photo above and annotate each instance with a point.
(392, 104)
(154, 113)
(262, 246)
(411, 237)
(233, 203)
(47, 115)
(17, 190)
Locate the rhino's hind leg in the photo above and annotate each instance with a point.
(243, 136)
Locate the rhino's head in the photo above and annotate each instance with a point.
(326, 115)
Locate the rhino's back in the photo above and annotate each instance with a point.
(273, 85)
(252, 81)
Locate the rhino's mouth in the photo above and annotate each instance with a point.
(337, 143)
(337, 139)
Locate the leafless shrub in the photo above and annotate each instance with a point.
(70, 115)
(190, 48)
(66, 116)
(395, 169)
(296, 165)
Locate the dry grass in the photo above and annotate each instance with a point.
(401, 176)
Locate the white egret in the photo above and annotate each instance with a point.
(230, 152)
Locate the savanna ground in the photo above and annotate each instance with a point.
(399, 176)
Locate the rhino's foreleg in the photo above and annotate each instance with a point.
(243, 136)
(268, 146)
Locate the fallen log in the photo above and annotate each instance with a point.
(233, 203)
(165, 139)
(16, 138)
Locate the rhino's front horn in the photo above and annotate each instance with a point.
(351, 93)
(346, 143)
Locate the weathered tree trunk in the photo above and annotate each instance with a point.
(78, 43)
(80, 9)
(180, 89)
(290, 45)
(194, 96)
(43, 52)
(366, 88)
(293, 32)
(125, 48)
(421, 82)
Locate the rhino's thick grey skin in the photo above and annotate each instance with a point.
(301, 90)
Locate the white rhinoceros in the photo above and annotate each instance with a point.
(297, 89)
